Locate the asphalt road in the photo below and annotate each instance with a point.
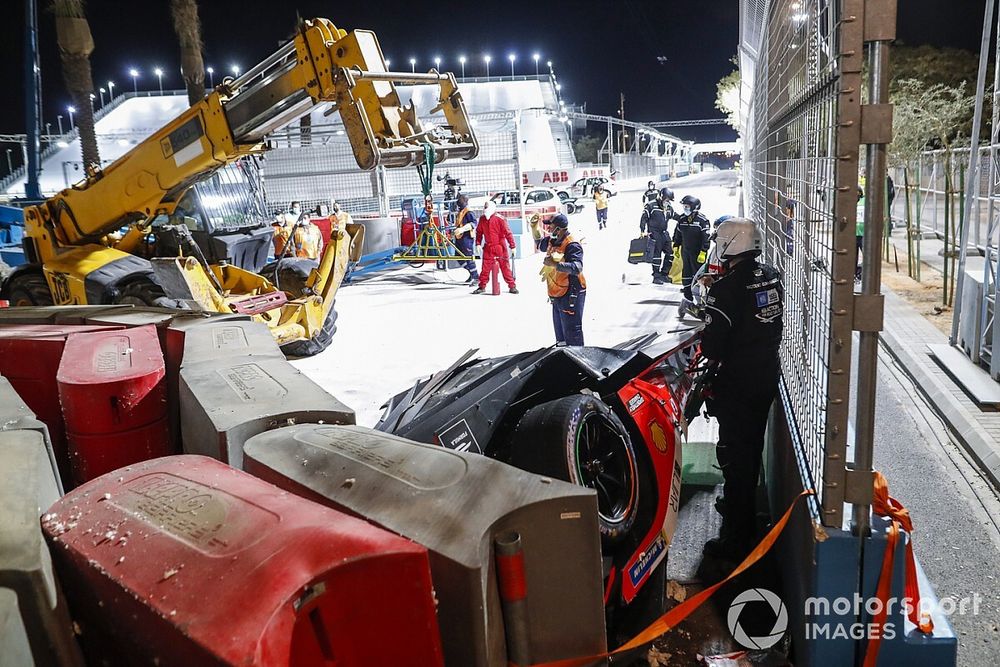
(955, 512)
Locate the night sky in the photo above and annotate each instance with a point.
(598, 48)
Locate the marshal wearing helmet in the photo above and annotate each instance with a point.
(742, 335)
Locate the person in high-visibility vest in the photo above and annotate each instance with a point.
(601, 203)
(562, 271)
(465, 236)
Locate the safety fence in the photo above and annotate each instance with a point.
(801, 128)
(312, 165)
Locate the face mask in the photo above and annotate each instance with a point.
(296, 210)
(687, 210)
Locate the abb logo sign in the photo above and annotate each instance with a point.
(547, 177)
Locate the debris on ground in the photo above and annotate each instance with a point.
(657, 658)
(676, 591)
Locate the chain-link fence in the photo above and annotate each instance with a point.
(801, 176)
(312, 165)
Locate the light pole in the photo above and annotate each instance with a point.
(211, 76)
(159, 77)
(511, 57)
(48, 132)
(461, 60)
(387, 63)
(102, 97)
(235, 70)
(549, 63)
(71, 110)
(111, 90)
(487, 58)
(59, 120)
(134, 73)
(437, 63)
(535, 57)
(92, 98)
(413, 65)
(10, 166)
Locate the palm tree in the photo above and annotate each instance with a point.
(188, 29)
(75, 47)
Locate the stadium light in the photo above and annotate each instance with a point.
(134, 73)
(535, 57)
(461, 60)
(413, 65)
(437, 62)
(71, 110)
(159, 77)
(211, 76)
(511, 57)
(487, 58)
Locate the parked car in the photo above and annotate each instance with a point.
(606, 418)
(543, 201)
(584, 187)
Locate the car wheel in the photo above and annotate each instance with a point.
(143, 292)
(579, 439)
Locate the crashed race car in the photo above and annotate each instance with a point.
(610, 419)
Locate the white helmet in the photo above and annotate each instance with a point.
(489, 208)
(737, 236)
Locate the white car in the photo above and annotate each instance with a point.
(543, 201)
(584, 187)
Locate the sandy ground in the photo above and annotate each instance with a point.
(407, 323)
(925, 295)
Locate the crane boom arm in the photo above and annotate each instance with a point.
(321, 65)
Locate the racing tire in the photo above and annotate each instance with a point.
(28, 289)
(579, 439)
(308, 347)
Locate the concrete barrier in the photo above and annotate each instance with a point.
(16, 416)
(456, 504)
(185, 561)
(56, 314)
(225, 402)
(26, 485)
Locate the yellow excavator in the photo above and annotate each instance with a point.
(128, 232)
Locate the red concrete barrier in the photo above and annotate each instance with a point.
(186, 561)
(29, 358)
(112, 387)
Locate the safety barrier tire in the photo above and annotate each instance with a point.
(580, 439)
(313, 346)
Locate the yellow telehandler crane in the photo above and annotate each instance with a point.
(90, 243)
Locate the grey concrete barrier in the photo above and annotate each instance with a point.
(456, 504)
(28, 484)
(14, 647)
(225, 402)
(56, 314)
(217, 339)
(16, 416)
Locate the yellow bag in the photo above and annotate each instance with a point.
(676, 268)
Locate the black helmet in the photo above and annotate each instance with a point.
(651, 185)
(559, 220)
(666, 194)
(693, 202)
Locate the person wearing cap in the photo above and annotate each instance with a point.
(562, 271)
(744, 311)
(497, 241)
(601, 206)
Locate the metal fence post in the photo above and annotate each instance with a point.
(876, 132)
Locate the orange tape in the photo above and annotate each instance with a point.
(673, 617)
(885, 505)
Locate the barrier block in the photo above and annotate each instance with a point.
(215, 340)
(15, 415)
(29, 359)
(112, 387)
(185, 561)
(56, 314)
(456, 504)
(226, 402)
(27, 485)
(13, 636)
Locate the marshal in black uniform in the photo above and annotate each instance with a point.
(744, 311)
(693, 235)
(654, 222)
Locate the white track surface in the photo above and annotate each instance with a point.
(408, 323)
